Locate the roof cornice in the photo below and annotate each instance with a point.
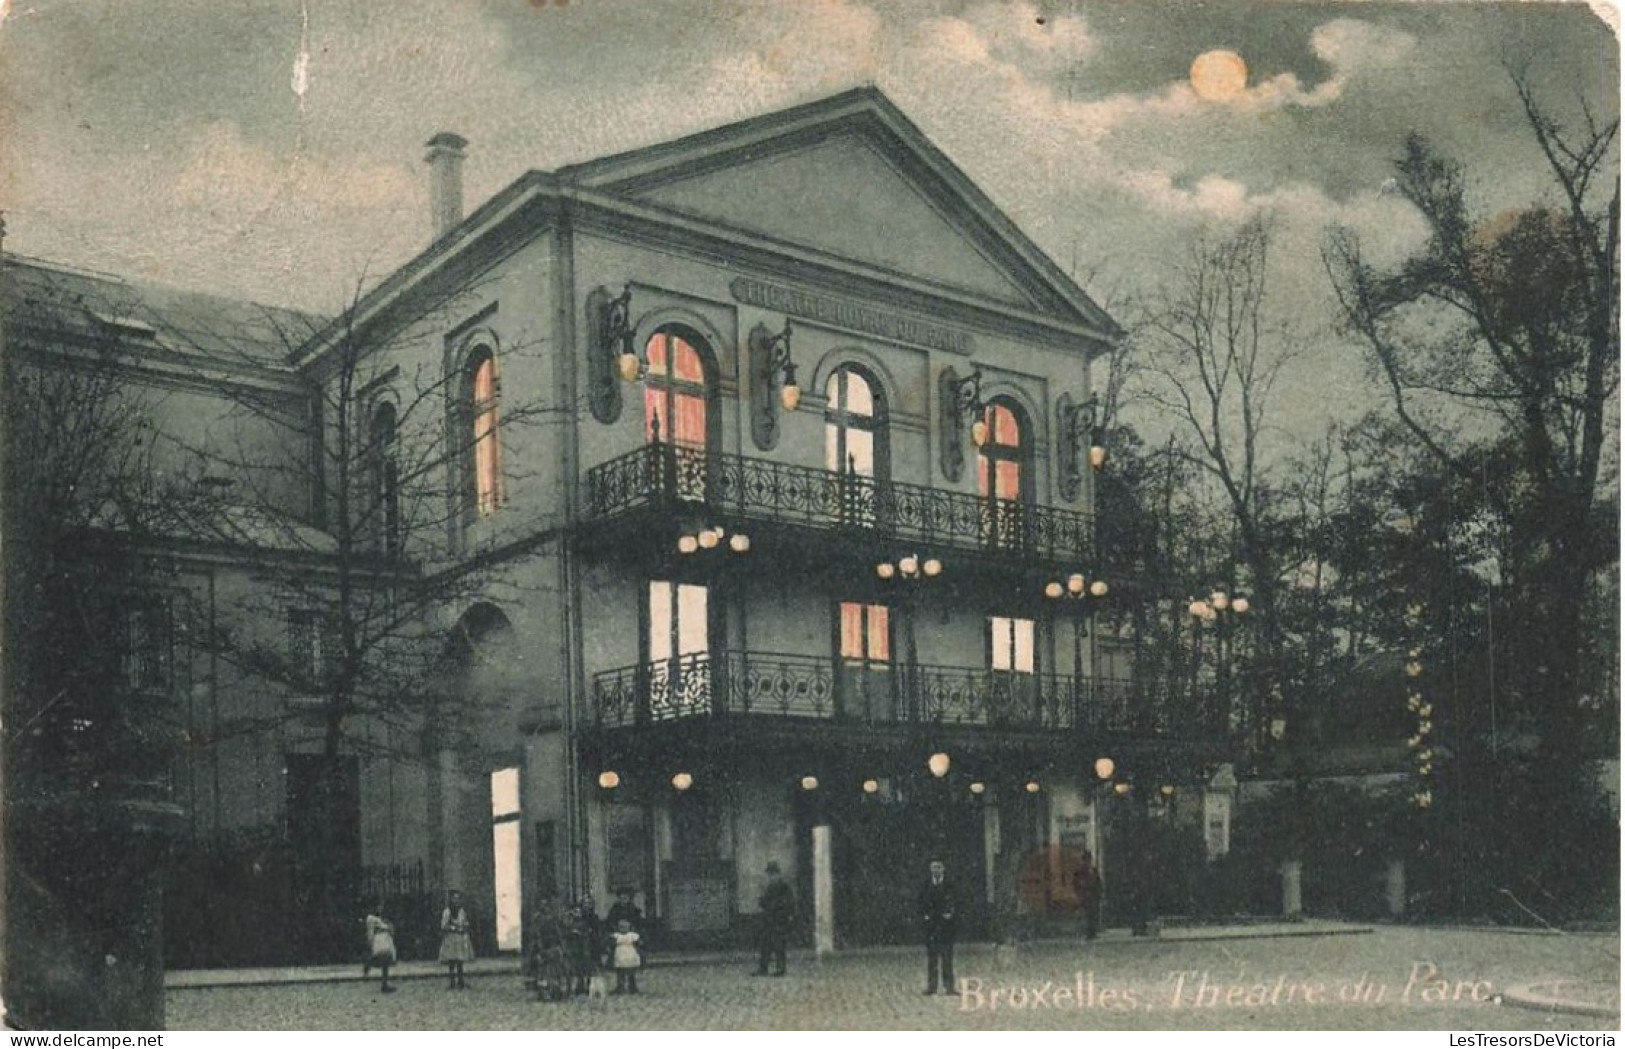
(598, 186)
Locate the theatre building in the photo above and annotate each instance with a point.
(780, 439)
(823, 454)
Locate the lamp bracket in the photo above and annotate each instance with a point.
(769, 355)
(609, 336)
(959, 398)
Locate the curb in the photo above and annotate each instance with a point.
(1548, 998)
(206, 979)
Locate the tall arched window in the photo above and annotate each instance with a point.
(485, 458)
(674, 395)
(855, 440)
(383, 455)
(854, 424)
(675, 403)
(1003, 479)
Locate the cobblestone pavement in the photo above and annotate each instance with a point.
(1392, 978)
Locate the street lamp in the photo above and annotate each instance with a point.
(907, 573)
(1085, 595)
(1220, 608)
(711, 538)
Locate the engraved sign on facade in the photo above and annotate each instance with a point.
(844, 314)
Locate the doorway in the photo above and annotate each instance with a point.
(882, 846)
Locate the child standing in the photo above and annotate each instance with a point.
(627, 960)
(455, 946)
(380, 945)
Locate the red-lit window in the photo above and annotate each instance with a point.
(674, 394)
(865, 633)
(1000, 462)
(487, 440)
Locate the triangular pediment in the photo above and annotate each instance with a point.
(851, 179)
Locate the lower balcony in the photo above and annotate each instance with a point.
(780, 686)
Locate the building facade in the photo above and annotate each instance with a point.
(764, 459)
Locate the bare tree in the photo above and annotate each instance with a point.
(1212, 359)
(353, 515)
(87, 739)
(1503, 333)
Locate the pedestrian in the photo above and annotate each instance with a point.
(1086, 883)
(624, 910)
(626, 958)
(778, 906)
(456, 948)
(380, 945)
(584, 943)
(939, 918)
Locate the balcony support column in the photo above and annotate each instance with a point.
(823, 891)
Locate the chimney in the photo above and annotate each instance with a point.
(445, 162)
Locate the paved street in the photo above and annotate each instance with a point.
(1388, 978)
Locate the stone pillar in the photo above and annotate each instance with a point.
(1393, 887)
(84, 912)
(1292, 890)
(451, 824)
(823, 892)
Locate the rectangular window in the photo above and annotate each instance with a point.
(312, 648)
(865, 632)
(679, 640)
(1011, 644)
(146, 653)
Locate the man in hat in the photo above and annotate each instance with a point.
(778, 907)
(939, 919)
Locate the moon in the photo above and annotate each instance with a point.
(1217, 76)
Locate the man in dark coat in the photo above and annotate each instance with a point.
(624, 910)
(778, 907)
(1088, 887)
(939, 917)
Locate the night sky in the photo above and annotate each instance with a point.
(165, 140)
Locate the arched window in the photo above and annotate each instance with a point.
(383, 453)
(674, 395)
(1003, 479)
(676, 400)
(484, 488)
(855, 440)
(854, 424)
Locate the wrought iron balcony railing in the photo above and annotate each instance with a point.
(790, 686)
(664, 474)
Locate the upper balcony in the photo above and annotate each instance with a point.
(744, 489)
(786, 687)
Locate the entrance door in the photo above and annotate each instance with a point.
(507, 882)
(882, 847)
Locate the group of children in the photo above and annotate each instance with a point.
(571, 944)
(575, 935)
